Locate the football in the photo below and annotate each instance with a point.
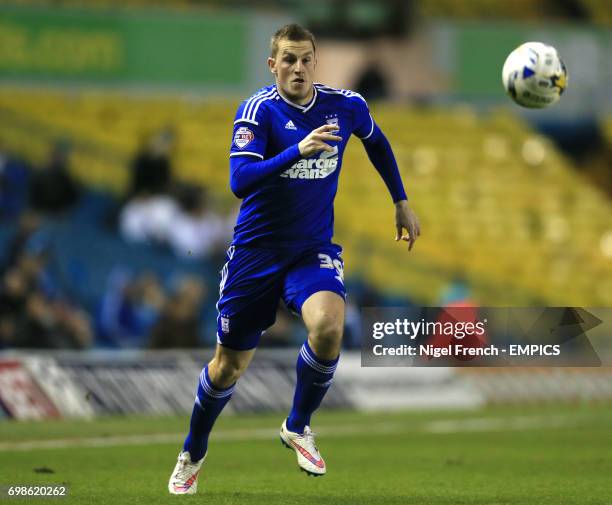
(534, 76)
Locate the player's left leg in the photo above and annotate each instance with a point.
(315, 288)
(323, 315)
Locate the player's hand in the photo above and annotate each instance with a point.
(315, 141)
(406, 219)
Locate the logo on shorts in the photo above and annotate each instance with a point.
(243, 137)
(224, 324)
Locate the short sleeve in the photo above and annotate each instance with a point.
(249, 137)
(363, 122)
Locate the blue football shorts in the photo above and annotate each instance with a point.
(253, 280)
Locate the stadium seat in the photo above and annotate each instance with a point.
(489, 191)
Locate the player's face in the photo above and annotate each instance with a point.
(293, 67)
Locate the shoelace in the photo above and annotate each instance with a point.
(185, 471)
(308, 437)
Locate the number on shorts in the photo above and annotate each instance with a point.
(327, 262)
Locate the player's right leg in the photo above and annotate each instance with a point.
(250, 289)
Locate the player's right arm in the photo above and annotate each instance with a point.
(248, 168)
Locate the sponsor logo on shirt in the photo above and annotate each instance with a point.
(314, 168)
(243, 137)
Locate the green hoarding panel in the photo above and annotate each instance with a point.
(123, 48)
(481, 52)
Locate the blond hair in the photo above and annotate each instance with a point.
(293, 32)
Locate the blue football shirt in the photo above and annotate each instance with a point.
(294, 209)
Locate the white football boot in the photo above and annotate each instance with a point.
(184, 478)
(308, 457)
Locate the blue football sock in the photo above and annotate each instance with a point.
(314, 376)
(209, 403)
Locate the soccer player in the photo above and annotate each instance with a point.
(285, 159)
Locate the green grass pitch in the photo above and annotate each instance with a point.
(546, 455)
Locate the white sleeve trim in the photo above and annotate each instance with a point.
(371, 130)
(244, 120)
(247, 153)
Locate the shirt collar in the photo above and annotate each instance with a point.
(303, 108)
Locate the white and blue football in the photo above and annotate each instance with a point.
(534, 76)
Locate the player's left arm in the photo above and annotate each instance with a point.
(381, 155)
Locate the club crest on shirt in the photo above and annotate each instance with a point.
(333, 120)
(243, 137)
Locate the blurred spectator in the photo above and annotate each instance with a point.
(197, 231)
(179, 323)
(29, 224)
(151, 168)
(54, 324)
(372, 83)
(13, 297)
(148, 218)
(150, 210)
(13, 187)
(185, 223)
(8, 329)
(52, 188)
(30, 319)
(129, 309)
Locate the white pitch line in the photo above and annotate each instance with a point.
(499, 424)
(167, 438)
(482, 424)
